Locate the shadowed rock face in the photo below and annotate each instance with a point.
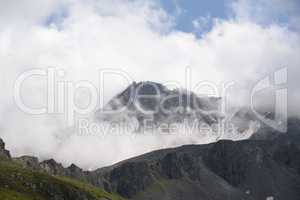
(245, 169)
(177, 165)
(232, 161)
(130, 178)
(75, 172)
(3, 151)
(288, 156)
(171, 166)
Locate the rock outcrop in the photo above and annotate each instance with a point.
(28, 161)
(3, 152)
(53, 168)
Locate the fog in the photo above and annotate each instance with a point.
(138, 37)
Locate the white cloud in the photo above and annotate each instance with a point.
(201, 23)
(267, 12)
(16, 13)
(138, 37)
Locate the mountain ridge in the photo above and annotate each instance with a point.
(248, 169)
(21, 181)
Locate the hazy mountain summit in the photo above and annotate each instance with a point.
(150, 103)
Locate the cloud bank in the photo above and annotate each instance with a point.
(81, 37)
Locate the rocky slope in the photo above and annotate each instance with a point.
(224, 170)
(27, 181)
(227, 170)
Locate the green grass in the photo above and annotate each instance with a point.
(6, 194)
(17, 182)
(96, 192)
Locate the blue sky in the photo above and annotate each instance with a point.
(189, 10)
(185, 12)
(197, 16)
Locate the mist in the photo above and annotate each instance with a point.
(138, 37)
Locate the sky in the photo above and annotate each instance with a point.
(219, 40)
(188, 12)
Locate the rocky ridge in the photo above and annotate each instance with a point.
(25, 178)
(249, 169)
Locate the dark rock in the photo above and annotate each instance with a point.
(172, 166)
(233, 161)
(53, 168)
(180, 165)
(28, 161)
(75, 172)
(3, 152)
(288, 155)
(130, 178)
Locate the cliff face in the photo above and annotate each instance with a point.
(224, 170)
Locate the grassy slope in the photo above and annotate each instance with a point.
(19, 183)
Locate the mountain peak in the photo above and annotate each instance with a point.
(153, 102)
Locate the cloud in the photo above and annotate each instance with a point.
(24, 13)
(201, 23)
(139, 38)
(267, 12)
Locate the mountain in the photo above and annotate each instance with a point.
(266, 166)
(227, 170)
(247, 169)
(268, 133)
(153, 104)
